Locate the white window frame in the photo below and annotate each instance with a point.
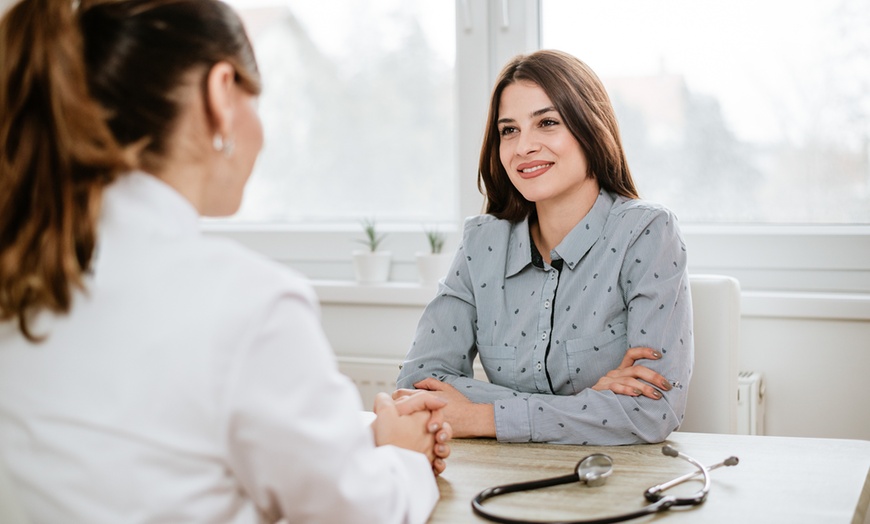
(814, 263)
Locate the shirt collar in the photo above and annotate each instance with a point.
(572, 248)
(584, 235)
(519, 248)
(144, 202)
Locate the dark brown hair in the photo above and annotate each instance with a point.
(580, 98)
(81, 90)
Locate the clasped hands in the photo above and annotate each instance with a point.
(416, 422)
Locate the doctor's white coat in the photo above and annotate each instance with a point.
(191, 382)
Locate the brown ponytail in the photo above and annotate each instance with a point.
(79, 92)
(56, 155)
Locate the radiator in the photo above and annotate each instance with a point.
(750, 403)
(371, 376)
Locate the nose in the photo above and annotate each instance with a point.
(527, 143)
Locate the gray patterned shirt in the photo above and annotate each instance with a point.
(546, 335)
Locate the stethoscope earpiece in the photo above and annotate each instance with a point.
(593, 470)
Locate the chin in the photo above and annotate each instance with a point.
(535, 196)
(222, 211)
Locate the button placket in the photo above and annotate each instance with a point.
(545, 316)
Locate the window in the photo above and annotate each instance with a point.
(782, 255)
(358, 111)
(745, 111)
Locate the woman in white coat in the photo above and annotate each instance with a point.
(149, 373)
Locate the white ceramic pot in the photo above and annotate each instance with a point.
(432, 267)
(371, 267)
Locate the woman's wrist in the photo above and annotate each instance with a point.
(484, 420)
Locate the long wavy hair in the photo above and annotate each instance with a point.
(580, 98)
(85, 94)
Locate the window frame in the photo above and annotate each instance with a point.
(815, 259)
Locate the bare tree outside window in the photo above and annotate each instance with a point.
(745, 111)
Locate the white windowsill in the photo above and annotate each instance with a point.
(386, 294)
(796, 305)
(764, 304)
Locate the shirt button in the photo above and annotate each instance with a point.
(539, 366)
(544, 335)
(547, 304)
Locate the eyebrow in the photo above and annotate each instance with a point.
(534, 114)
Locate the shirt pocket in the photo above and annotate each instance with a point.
(590, 358)
(500, 364)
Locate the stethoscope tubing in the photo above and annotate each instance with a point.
(477, 506)
(524, 486)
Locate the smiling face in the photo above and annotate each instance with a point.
(542, 158)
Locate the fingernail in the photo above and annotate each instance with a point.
(656, 354)
(442, 437)
(441, 448)
(666, 385)
(433, 428)
(637, 392)
(656, 394)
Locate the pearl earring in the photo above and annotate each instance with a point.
(223, 145)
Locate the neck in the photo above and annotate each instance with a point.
(557, 219)
(187, 179)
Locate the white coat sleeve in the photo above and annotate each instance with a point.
(296, 441)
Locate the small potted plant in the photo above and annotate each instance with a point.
(370, 265)
(432, 265)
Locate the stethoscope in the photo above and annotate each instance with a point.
(593, 471)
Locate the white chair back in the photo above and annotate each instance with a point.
(712, 405)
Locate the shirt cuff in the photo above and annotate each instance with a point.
(512, 420)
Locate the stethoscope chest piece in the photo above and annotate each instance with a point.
(594, 469)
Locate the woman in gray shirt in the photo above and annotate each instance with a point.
(572, 290)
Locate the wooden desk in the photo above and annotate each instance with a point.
(788, 480)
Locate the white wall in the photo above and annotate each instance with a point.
(816, 374)
(814, 364)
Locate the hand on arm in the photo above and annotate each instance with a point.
(466, 418)
(632, 379)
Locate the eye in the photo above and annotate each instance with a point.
(547, 122)
(507, 130)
